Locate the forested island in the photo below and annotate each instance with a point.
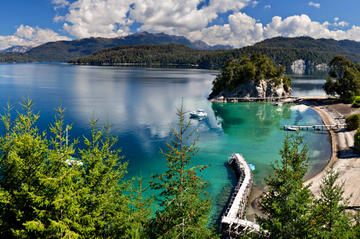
(247, 77)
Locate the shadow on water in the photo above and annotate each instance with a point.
(223, 198)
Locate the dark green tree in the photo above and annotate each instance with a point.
(286, 200)
(49, 188)
(184, 205)
(329, 218)
(344, 79)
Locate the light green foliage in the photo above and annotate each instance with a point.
(356, 102)
(255, 68)
(185, 207)
(353, 122)
(344, 79)
(50, 188)
(329, 218)
(286, 201)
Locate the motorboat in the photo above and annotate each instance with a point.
(289, 128)
(199, 113)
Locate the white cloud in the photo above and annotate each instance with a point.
(60, 3)
(111, 18)
(267, 6)
(339, 24)
(314, 4)
(243, 30)
(29, 36)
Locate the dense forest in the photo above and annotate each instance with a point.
(149, 55)
(141, 49)
(281, 50)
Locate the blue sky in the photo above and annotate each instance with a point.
(234, 22)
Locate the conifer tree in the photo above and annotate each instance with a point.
(329, 218)
(185, 206)
(49, 188)
(286, 200)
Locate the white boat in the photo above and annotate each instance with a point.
(199, 113)
(289, 128)
(277, 104)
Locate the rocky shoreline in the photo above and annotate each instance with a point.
(264, 90)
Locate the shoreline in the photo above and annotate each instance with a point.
(344, 159)
(348, 166)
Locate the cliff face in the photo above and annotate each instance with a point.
(261, 89)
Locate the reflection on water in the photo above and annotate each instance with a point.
(308, 85)
(141, 105)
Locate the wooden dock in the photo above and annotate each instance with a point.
(232, 222)
(314, 127)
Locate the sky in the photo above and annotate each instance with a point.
(230, 22)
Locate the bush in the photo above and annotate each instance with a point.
(353, 122)
(356, 102)
(357, 140)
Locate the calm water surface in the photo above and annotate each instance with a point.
(141, 105)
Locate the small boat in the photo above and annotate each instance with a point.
(252, 166)
(277, 104)
(199, 113)
(289, 128)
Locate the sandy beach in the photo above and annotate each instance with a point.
(344, 159)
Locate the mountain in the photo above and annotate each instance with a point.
(62, 51)
(299, 55)
(19, 49)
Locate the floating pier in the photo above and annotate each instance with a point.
(314, 127)
(232, 222)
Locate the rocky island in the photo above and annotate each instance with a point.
(254, 78)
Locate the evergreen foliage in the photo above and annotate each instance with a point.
(51, 189)
(255, 68)
(185, 206)
(357, 140)
(286, 202)
(353, 122)
(329, 218)
(344, 79)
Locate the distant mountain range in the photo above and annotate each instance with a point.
(62, 51)
(18, 49)
(300, 54)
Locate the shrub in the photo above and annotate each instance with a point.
(353, 122)
(357, 140)
(356, 102)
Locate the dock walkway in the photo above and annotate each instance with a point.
(314, 127)
(232, 222)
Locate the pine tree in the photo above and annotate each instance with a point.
(286, 200)
(49, 188)
(329, 218)
(185, 206)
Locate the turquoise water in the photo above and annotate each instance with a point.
(141, 105)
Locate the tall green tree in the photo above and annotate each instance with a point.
(344, 79)
(50, 188)
(329, 218)
(286, 201)
(185, 206)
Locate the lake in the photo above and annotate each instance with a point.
(141, 105)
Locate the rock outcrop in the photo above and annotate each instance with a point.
(261, 89)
